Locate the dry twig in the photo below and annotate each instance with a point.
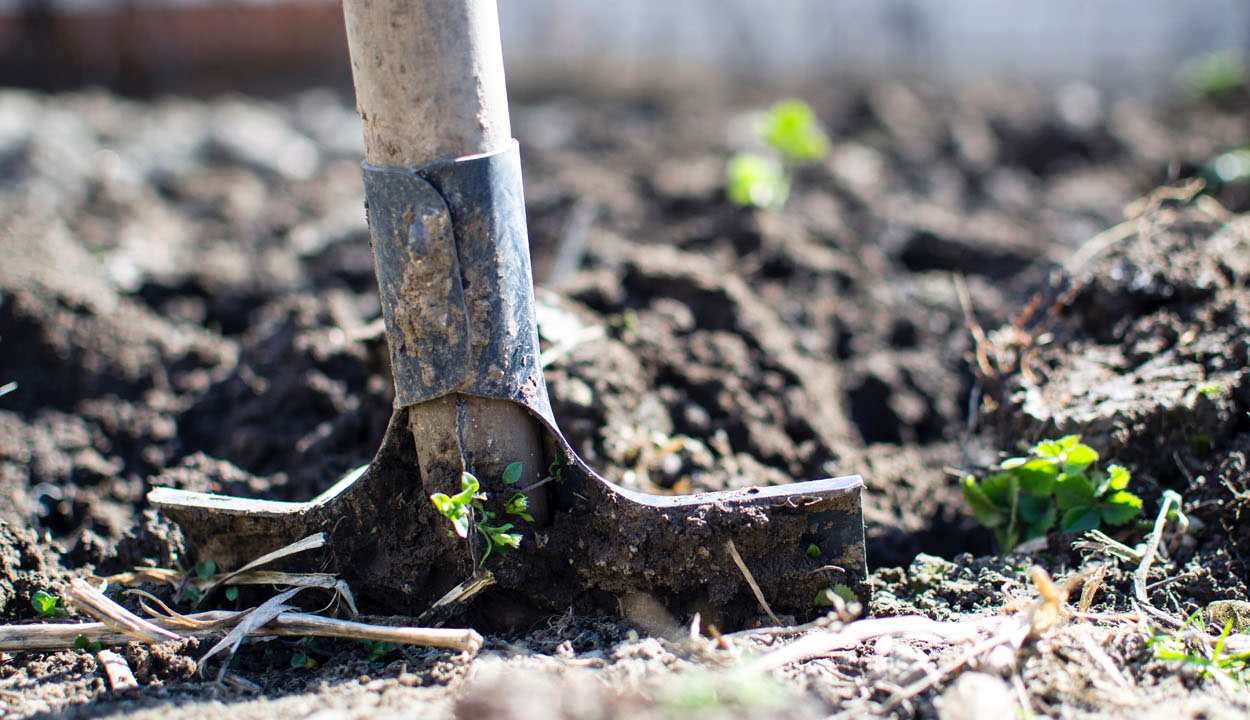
(249, 622)
(821, 643)
(61, 636)
(116, 671)
(94, 603)
(311, 542)
(755, 587)
(455, 598)
(1170, 498)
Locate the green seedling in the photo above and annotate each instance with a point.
(47, 604)
(790, 130)
(1215, 661)
(466, 511)
(1217, 75)
(205, 570)
(705, 694)
(379, 649)
(756, 181)
(301, 658)
(790, 127)
(301, 661)
(1025, 498)
(82, 643)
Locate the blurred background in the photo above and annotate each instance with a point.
(204, 46)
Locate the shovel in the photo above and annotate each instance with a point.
(447, 221)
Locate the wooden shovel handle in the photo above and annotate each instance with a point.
(429, 79)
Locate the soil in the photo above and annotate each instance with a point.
(187, 299)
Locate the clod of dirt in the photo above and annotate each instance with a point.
(164, 661)
(22, 571)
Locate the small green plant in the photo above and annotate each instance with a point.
(1216, 75)
(47, 604)
(82, 643)
(301, 659)
(205, 570)
(790, 130)
(466, 511)
(790, 127)
(756, 181)
(191, 593)
(1025, 497)
(1194, 651)
(703, 693)
(379, 649)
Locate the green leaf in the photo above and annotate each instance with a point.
(443, 504)
(1080, 519)
(1049, 449)
(755, 181)
(1042, 527)
(503, 540)
(1001, 489)
(468, 488)
(813, 551)
(82, 643)
(1036, 514)
(1073, 491)
(460, 522)
(845, 592)
(1078, 457)
(1013, 463)
(1119, 477)
(379, 649)
(1120, 508)
(982, 507)
(456, 512)
(790, 128)
(232, 593)
(512, 473)
(519, 505)
(1037, 476)
(205, 569)
(1007, 537)
(45, 603)
(300, 660)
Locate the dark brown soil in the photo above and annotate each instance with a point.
(187, 298)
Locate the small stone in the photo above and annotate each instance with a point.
(1222, 612)
(408, 679)
(976, 696)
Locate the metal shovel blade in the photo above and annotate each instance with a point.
(602, 542)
